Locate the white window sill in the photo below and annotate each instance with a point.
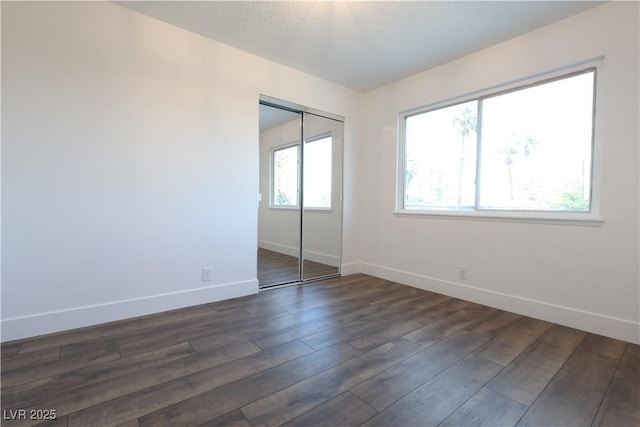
(558, 218)
(319, 209)
(296, 208)
(285, 208)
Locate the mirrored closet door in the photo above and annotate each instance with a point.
(300, 201)
(322, 196)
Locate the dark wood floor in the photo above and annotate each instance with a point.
(347, 351)
(275, 268)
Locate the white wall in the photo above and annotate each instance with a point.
(582, 276)
(129, 162)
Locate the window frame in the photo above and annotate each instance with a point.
(591, 217)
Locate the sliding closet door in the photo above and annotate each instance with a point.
(279, 206)
(321, 196)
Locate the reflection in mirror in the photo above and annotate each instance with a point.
(279, 206)
(322, 192)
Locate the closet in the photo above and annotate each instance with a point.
(300, 200)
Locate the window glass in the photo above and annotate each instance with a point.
(536, 147)
(440, 155)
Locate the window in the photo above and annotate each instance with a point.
(528, 149)
(317, 175)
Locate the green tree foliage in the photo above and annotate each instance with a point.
(572, 201)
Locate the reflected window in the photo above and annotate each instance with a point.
(317, 175)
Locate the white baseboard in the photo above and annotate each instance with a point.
(351, 268)
(613, 327)
(325, 259)
(277, 247)
(56, 321)
(293, 251)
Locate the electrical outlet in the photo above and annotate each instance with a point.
(463, 272)
(207, 274)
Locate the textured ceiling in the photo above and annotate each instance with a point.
(361, 45)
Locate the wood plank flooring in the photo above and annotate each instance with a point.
(347, 351)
